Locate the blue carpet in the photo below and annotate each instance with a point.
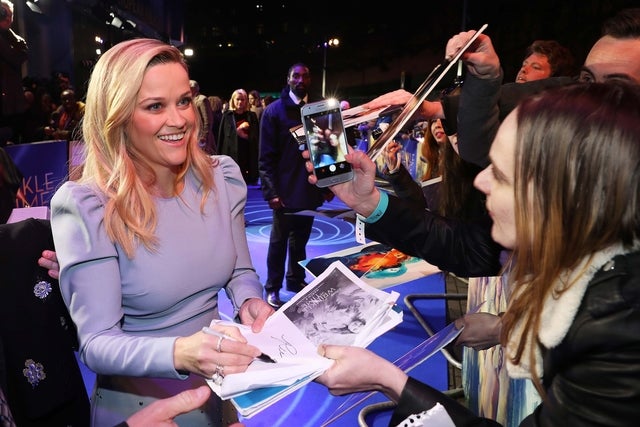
(312, 405)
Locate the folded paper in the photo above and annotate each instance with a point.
(336, 308)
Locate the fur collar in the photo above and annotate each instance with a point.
(558, 313)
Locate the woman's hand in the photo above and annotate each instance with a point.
(254, 312)
(397, 97)
(360, 194)
(481, 330)
(357, 369)
(390, 155)
(428, 109)
(206, 354)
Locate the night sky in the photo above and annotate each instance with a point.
(380, 47)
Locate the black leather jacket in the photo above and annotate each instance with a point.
(406, 188)
(462, 247)
(592, 378)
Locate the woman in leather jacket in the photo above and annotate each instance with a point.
(562, 190)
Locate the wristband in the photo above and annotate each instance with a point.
(359, 229)
(379, 210)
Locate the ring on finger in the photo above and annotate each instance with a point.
(220, 370)
(217, 378)
(219, 346)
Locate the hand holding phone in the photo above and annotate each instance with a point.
(327, 142)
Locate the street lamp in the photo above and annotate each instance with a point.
(333, 42)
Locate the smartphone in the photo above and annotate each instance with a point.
(327, 141)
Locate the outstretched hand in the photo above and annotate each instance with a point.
(397, 97)
(357, 369)
(481, 330)
(481, 58)
(360, 194)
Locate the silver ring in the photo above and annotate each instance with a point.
(217, 378)
(219, 346)
(220, 370)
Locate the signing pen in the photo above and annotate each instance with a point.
(264, 357)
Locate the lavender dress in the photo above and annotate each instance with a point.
(130, 312)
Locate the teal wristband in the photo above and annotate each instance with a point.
(380, 209)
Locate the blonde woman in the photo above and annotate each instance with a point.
(239, 133)
(146, 238)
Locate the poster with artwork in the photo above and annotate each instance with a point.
(377, 264)
(489, 390)
(340, 310)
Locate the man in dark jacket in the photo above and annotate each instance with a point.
(285, 187)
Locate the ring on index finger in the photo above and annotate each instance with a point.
(219, 346)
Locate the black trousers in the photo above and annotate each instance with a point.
(290, 233)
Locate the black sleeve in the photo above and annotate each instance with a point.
(10, 174)
(405, 187)
(417, 397)
(464, 248)
(512, 93)
(478, 118)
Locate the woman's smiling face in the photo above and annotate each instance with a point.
(164, 117)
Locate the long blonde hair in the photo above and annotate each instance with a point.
(112, 164)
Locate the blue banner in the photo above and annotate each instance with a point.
(44, 166)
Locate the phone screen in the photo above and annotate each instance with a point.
(327, 142)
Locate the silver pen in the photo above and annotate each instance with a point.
(263, 356)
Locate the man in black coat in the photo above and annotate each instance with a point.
(285, 187)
